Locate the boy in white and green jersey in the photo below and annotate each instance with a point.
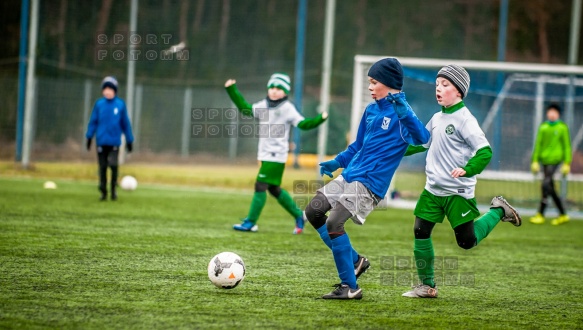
(457, 151)
(277, 114)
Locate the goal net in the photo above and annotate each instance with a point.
(509, 102)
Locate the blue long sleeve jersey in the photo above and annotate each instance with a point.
(108, 121)
(381, 142)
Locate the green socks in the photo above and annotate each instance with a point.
(486, 223)
(257, 204)
(284, 199)
(287, 202)
(424, 257)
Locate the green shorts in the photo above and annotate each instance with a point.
(457, 209)
(271, 173)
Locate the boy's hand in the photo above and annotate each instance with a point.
(534, 167)
(328, 167)
(399, 104)
(565, 168)
(457, 172)
(230, 82)
(88, 144)
(129, 147)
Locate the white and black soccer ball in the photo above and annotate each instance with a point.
(128, 182)
(226, 270)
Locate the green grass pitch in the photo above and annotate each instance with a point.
(68, 261)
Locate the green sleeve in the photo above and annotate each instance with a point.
(243, 106)
(411, 150)
(536, 149)
(310, 123)
(567, 146)
(479, 162)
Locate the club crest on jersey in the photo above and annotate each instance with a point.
(115, 111)
(386, 122)
(449, 130)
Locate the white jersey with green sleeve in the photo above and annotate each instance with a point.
(274, 129)
(455, 138)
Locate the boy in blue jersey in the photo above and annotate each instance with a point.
(388, 126)
(108, 121)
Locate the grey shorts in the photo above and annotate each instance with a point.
(354, 196)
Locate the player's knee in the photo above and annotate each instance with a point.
(315, 216)
(422, 228)
(260, 186)
(335, 228)
(420, 233)
(274, 190)
(466, 243)
(318, 206)
(548, 184)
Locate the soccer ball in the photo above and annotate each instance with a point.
(50, 185)
(226, 270)
(128, 182)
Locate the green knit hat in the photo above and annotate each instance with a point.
(281, 81)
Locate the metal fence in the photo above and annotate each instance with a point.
(163, 122)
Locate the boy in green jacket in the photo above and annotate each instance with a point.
(552, 147)
(279, 114)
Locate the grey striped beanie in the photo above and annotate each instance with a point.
(281, 81)
(458, 76)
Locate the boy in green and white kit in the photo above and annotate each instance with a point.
(279, 114)
(552, 147)
(457, 151)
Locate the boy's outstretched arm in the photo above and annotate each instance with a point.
(346, 156)
(314, 122)
(411, 150)
(418, 132)
(245, 107)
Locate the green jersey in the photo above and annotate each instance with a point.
(552, 145)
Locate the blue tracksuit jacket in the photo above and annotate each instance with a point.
(109, 120)
(380, 145)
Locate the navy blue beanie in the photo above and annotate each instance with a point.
(110, 82)
(389, 72)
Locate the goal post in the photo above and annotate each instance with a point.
(508, 99)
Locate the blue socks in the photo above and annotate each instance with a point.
(323, 231)
(341, 249)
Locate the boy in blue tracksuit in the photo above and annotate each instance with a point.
(388, 126)
(108, 121)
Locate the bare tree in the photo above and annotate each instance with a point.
(103, 16)
(469, 24)
(361, 23)
(61, 33)
(539, 14)
(271, 8)
(198, 16)
(183, 30)
(225, 17)
(183, 20)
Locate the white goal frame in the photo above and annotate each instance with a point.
(363, 62)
